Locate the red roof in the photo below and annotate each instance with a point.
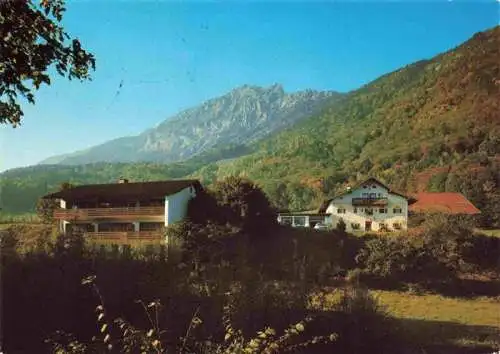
(449, 203)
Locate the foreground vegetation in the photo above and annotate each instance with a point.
(222, 286)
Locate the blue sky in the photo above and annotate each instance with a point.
(173, 55)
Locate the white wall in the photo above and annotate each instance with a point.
(176, 205)
(360, 217)
(62, 223)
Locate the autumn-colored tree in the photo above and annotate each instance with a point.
(33, 40)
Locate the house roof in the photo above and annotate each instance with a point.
(324, 205)
(450, 203)
(124, 191)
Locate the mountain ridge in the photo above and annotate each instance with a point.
(243, 115)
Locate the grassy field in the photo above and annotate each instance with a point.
(436, 320)
(446, 320)
(7, 220)
(492, 232)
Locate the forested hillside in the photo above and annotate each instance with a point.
(20, 188)
(435, 115)
(438, 112)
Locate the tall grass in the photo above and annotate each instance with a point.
(26, 218)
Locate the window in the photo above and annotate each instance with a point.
(355, 226)
(368, 211)
(397, 210)
(340, 211)
(373, 195)
(365, 195)
(151, 226)
(396, 226)
(382, 210)
(374, 186)
(355, 210)
(365, 187)
(80, 227)
(299, 221)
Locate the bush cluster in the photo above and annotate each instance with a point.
(443, 249)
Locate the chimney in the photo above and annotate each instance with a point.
(122, 180)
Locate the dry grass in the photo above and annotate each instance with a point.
(437, 320)
(491, 233)
(479, 311)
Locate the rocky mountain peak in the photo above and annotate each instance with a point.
(242, 116)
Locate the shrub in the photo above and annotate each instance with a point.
(356, 300)
(401, 259)
(366, 326)
(445, 247)
(448, 239)
(484, 252)
(29, 238)
(70, 244)
(121, 336)
(355, 226)
(361, 322)
(266, 341)
(8, 243)
(355, 276)
(203, 243)
(65, 343)
(341, 225)
(203, 208)
(45, 210)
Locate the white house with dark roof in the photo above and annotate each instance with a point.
(124, 211)
(369, 206)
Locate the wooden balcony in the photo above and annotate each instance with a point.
(133, 213)
(126, 237)
(373, 201)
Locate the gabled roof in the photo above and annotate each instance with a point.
(449, 203)
(324, 205)
(370, 180)
(124, 191)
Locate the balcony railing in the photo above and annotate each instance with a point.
(126, 237)
(369, 201)
(109, 213)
